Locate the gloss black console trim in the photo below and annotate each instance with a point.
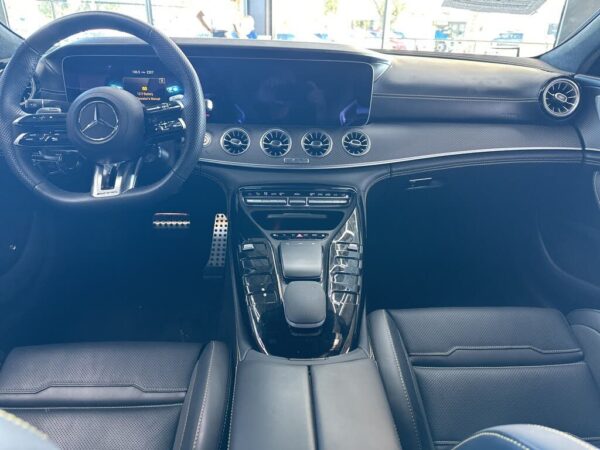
(332, 225)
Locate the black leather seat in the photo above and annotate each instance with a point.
(129, 395)
(451, 372)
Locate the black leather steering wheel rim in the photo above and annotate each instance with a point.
(22, 67)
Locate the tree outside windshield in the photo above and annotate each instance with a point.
(490, 27)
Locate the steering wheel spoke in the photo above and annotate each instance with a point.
(47, 120)
(164, 122)
(45, 130)
(113, 179)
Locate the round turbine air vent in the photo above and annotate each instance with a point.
(316, 143)
(356, 143)
(561, 97)
(276, 143)
(235, 141)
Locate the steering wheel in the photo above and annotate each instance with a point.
(110, 127)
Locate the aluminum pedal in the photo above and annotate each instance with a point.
(171, 221)
(218, 248)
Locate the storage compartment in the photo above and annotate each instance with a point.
(488, 235)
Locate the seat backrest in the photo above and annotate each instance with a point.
(450, 372)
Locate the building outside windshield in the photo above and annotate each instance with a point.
(488, 27)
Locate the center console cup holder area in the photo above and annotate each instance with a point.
(299, 254)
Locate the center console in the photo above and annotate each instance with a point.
(300, 268)
(309, 381)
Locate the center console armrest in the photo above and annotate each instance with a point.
(271, 407)
(284, 404)
(510, 437)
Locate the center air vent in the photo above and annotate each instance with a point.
(235, 141)
(561, 97)
(316, 143)
(356, 143)
(276, 143)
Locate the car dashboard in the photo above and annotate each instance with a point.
(297, 106)
(298, 134)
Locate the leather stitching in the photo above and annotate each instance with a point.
(232, 406)
(542, 366)
(586, 326)
(571, 438)
(204, 398)
(495, 435)
(406, 396)
(189, 405)
(453, 443)
(4, 415)
(62, 408)
(52, 384)
(494, 347)
(227, 406)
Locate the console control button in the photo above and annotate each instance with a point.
(264, 298)
(346, 269)
(298, 236)
(259, 284)
(349, 263)
(256, 265)
(288, 197)
(347, 250)
(297, 201)
(339, 287)
(253, 249)
(328, 201)
(265, 201)
(344, 298)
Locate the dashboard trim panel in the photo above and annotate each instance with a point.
(393, 161)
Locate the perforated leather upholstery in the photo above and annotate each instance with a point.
(129, 395)
(450, 372)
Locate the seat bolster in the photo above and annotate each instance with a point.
(586, 326)
(586, 317)
(19, 435)
(522, 437)
(399, 382)
(202, 421)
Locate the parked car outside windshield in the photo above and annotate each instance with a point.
(488, 27)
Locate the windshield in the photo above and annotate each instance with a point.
(490, 27)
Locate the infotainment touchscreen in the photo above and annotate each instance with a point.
(241, 90)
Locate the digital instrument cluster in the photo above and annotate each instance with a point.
(241, 90)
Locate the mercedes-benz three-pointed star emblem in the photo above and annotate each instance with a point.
(98, 121)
